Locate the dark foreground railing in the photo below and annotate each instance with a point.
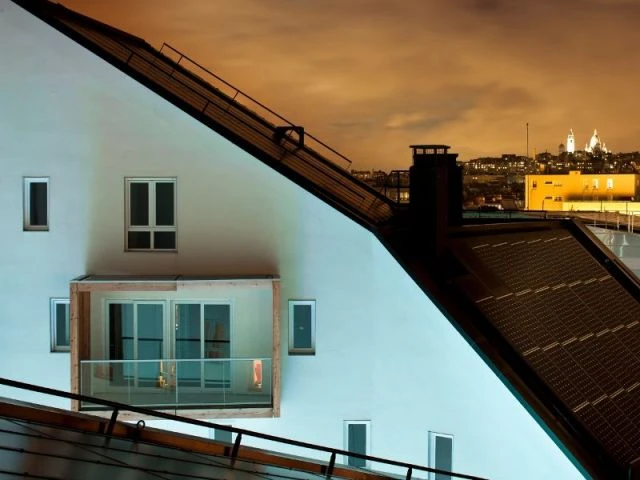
(240, 432)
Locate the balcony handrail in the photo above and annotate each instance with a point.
(256, 102)
(117, 407)
(176, 360)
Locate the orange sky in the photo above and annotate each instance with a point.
(370, 77)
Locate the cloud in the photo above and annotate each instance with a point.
(371, 76)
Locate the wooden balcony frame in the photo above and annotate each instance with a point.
(81, 289)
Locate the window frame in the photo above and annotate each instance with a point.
(367, 424)
(26, 201)
(293, 350)
(151, 227)
(53, 303)
(432, 451)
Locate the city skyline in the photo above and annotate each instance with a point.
(371, 77)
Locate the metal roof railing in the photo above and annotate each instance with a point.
(329, 469)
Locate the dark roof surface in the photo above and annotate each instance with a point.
(573, 318)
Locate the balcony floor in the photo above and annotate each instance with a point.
(167, 399)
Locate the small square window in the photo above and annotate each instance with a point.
(60, 325)
(440, 454)
(357, 439)
(302, 327)
(151, 213)
(220, 435)
(36, 203)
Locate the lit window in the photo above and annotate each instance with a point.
(60, 325)
(151, 214)
(357, 439)
(440, 454)
(36, 203)
(302, 326)
(609, 183)
(596, 183)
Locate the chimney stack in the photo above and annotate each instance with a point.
(435, 191)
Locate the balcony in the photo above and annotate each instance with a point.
(204, 347)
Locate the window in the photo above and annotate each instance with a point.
(36, 203)
(357, 439)
(151, 214)
(596, 183)
(440, 454)
(220, 435)
(302, 327)
(609, 183)
(60, 325)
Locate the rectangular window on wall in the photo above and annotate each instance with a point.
(60, 325)
(441, 454)
(357, 439)
(151, 213)
(220, 435)
(302, 327)
(36, 203)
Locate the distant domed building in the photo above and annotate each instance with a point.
(595, 145)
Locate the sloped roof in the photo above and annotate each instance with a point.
(564, 314)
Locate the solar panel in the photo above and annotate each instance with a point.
(574, 324)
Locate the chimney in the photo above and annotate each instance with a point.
(435, 191)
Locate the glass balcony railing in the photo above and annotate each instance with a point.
(179, 384)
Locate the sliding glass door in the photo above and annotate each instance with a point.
(202, 344)
(190, 347)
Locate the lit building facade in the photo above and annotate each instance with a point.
(579, 191)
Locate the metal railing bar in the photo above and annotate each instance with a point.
(228, 84)
(200, 423)
(243, 109)
(307, 154)
(238, 91)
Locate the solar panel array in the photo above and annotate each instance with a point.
(574, 324)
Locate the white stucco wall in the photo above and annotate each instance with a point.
(384, 353)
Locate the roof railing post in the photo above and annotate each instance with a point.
(236, 448)
(332, 463)
(112, 422)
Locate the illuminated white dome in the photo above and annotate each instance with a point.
(595, 144)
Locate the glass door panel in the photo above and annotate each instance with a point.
(121, 342)
(150, 341)
(188, 343)
(217, 345)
